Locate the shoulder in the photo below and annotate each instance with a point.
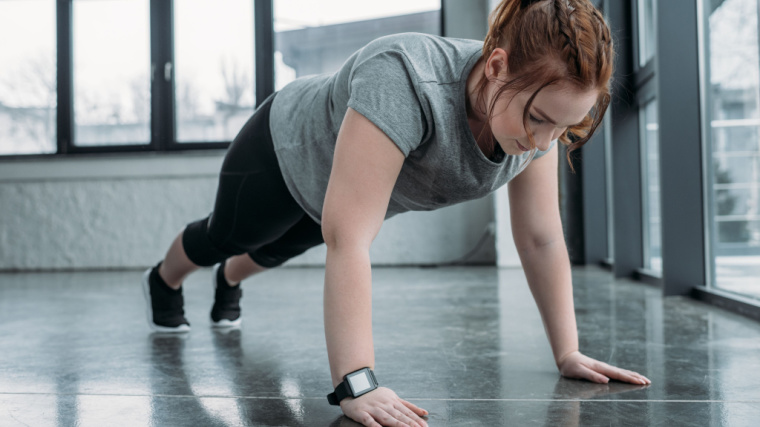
(431, 57)
(403, 42)
(419, 45)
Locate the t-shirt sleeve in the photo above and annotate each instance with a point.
(382, 89)
(540, 153)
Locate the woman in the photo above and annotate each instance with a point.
(410, 122)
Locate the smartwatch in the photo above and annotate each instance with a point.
(354, 384)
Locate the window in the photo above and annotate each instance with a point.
(143, 75)
(646, 40)
(733, 145)
(214, 90)
(607, 123)
(650, 150)
(27, 77)
(317, 37)
(111, 72)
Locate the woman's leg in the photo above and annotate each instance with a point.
(176, 265)
(239, 268)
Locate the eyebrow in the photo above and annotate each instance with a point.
(549, 119)
(546, 117)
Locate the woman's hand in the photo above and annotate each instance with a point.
(576, 365)
(382, 407)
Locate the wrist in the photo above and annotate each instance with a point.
(354, 384)
(339, 375)
(564, 356)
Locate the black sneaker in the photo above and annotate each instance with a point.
(164, 304)
(226, 310)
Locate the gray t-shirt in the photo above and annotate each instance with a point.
(411, 86)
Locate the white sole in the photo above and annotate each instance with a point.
(149, 312)
(224, 323)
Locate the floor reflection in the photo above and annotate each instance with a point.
(467, 344)
(170, 362)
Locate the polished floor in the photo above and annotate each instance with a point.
(467, 344)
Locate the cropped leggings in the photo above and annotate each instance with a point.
(254, 212)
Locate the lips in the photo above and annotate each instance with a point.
(521, 147)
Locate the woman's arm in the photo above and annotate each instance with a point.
(537, 230)
(365, 167)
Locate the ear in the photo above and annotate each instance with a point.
(497, 64)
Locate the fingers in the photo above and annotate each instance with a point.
(402, 413)
(390, 417)
(592, 375)
(368, 420)
(402, 408)
(417, 410)
(383, 407)
(622, 374)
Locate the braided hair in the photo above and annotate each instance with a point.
(550, 42)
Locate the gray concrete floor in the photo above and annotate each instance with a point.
(467, 344)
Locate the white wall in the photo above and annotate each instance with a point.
(122, 212)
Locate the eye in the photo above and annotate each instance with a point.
(535, 119)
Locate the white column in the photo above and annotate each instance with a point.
(506, 252)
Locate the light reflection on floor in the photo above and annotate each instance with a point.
(465, 343)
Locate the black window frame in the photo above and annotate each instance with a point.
(163, 126)
(162, 114)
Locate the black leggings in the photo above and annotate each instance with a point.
(254, 212)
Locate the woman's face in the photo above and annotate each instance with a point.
(554, 109)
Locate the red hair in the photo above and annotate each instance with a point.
(550, 42)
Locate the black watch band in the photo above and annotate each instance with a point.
(355, 384)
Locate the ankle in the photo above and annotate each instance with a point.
(161, 274)
(226, 277)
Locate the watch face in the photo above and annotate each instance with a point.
(359, 382)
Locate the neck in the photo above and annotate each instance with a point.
(474, 109)
(475, 114)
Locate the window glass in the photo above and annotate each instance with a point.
(733, 185)
(317, 37)
(647, 38)
(651, 187)
(111, 72)
(27, 77)
(607, 123)
(214, 54)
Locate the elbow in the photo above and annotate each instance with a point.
(534, 242)
(339, 236)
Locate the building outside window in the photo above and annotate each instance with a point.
(214, 93)
(648, 135)
(111, 72)
(210, 65)
(317, 37)
(650, 149)
(28, 97)
(647, 38)
(733, 144)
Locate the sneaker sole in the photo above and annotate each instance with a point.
(149, 312)
(224, 323)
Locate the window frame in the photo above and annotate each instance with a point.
(646, 90)
(645, 95)
(163, 126)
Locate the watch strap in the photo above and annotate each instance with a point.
(341, 392)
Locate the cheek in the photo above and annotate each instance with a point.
(509, 128)
(509, 124)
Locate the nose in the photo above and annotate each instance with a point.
(543, 137)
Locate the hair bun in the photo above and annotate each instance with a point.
(526, 3)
